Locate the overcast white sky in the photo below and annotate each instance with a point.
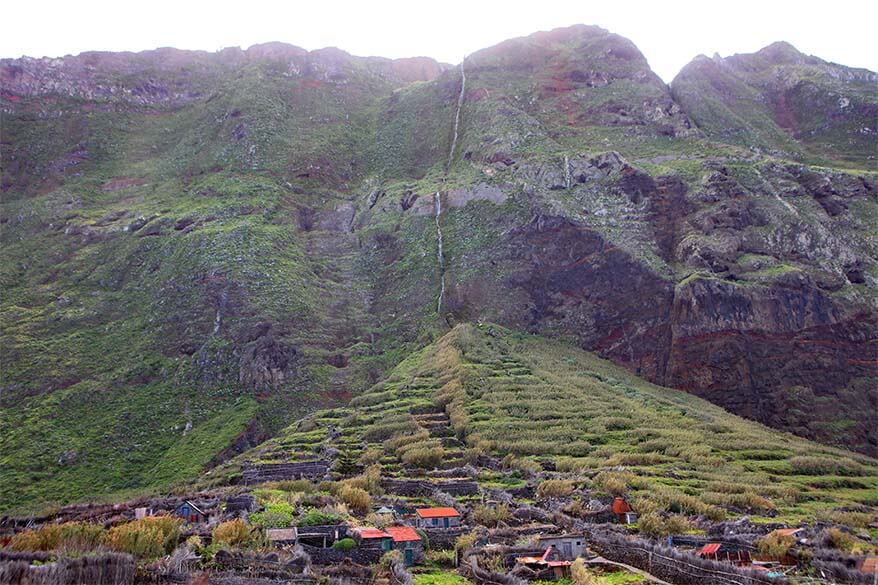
(670, 33)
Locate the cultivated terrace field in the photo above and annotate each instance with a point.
(523, 438)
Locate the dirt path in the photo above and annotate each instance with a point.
(644, 574)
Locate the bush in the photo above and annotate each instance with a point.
(302, 486)
(465, 541)
(357, 499)
(276, 515)
(70, 536)
(526, 466)
(315, 517)
(555, 488)
(423, 457)
(850, 519)
(809, 465)
(745, 500)
(372, 455)
(653, 524)
(613, 483)
(369, 480)
(841, 540)
(581, 575)
(442, 558)
(234, 533)
(345, 544)
(491, 517)
(775, 545)
(147, 538)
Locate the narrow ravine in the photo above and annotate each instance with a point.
(438, 196)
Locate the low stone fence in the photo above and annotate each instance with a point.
(444, 539)
(333, 556)
(105, 569)
(289, 568)
(672, 565)
(417, 487)
(253, 474)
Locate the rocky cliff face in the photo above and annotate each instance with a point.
(783, 102)
(200, 247)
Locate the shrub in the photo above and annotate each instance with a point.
(581, 575)
(357, 499)
(70, 536)
(850, 519)
(276, 515)
(636, 459)
(234, 533)
(662, 499)
(302, 486)
(345, 544)
(491, 517)
(372, 455)
(26, 540)
(677, 524)
(423, 457)
(613, 483)
(651, 524)
(775, 545)
(555, 488)
(315, 517)
(745, 500)
(810, 465)
(147, 538)
(442, 558)
(527, 466)
(655, 525)
(465, 541)
(841, 540)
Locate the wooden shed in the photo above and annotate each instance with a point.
(190, 513)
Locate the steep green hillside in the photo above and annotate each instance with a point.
(781, 101)
(199, 248)
(542, 404)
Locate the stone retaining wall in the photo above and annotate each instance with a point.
(254, 474)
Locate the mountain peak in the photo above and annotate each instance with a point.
(783, 53)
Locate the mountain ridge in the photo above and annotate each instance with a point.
(212, 252)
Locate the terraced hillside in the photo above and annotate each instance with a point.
(484, 393)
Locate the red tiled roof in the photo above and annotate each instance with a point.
(710, 548)
(365, 533)
(403, 533)
(869, 565)
(437, 512)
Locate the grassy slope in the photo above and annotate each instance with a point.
(783, 101)
(537, 399)
(108, 344)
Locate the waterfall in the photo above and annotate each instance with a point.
(440, 255)
(438, 196)
(456, 118)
